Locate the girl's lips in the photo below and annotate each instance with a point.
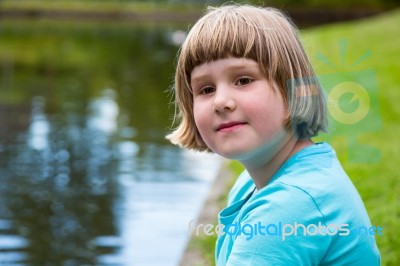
(229, 126)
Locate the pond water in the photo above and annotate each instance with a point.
(87, 177)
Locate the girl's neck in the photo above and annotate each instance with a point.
(261, 175)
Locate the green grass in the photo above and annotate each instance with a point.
(377, 182)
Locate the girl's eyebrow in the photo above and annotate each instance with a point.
(233, 67)
(198, 78)
(245, 66)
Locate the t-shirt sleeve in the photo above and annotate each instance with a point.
(280, 229)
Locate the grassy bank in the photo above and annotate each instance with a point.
(334, 50)
(378, 182)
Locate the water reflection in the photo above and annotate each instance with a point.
(39, 128)
(103, 113)
(86, 176)
(76, 192)
(156, 213)
(59, 191)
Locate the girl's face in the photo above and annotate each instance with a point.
(236, 110)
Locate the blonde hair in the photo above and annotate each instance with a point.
(261, 34)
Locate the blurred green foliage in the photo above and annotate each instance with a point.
(355, 4)
(145, 5)
(74, 61)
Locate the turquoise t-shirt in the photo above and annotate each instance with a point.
(309, 214)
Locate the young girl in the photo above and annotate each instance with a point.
(245, 90)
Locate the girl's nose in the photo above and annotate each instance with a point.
(223, 101)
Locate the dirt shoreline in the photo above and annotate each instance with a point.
(209, 213)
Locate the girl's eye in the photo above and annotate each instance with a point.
(243, 81)
(207, 90)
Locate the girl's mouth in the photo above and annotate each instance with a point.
(224, 127)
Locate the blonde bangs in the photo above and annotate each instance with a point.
(222, 36)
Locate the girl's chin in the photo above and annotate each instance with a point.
(259, 155)
(236, 154)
